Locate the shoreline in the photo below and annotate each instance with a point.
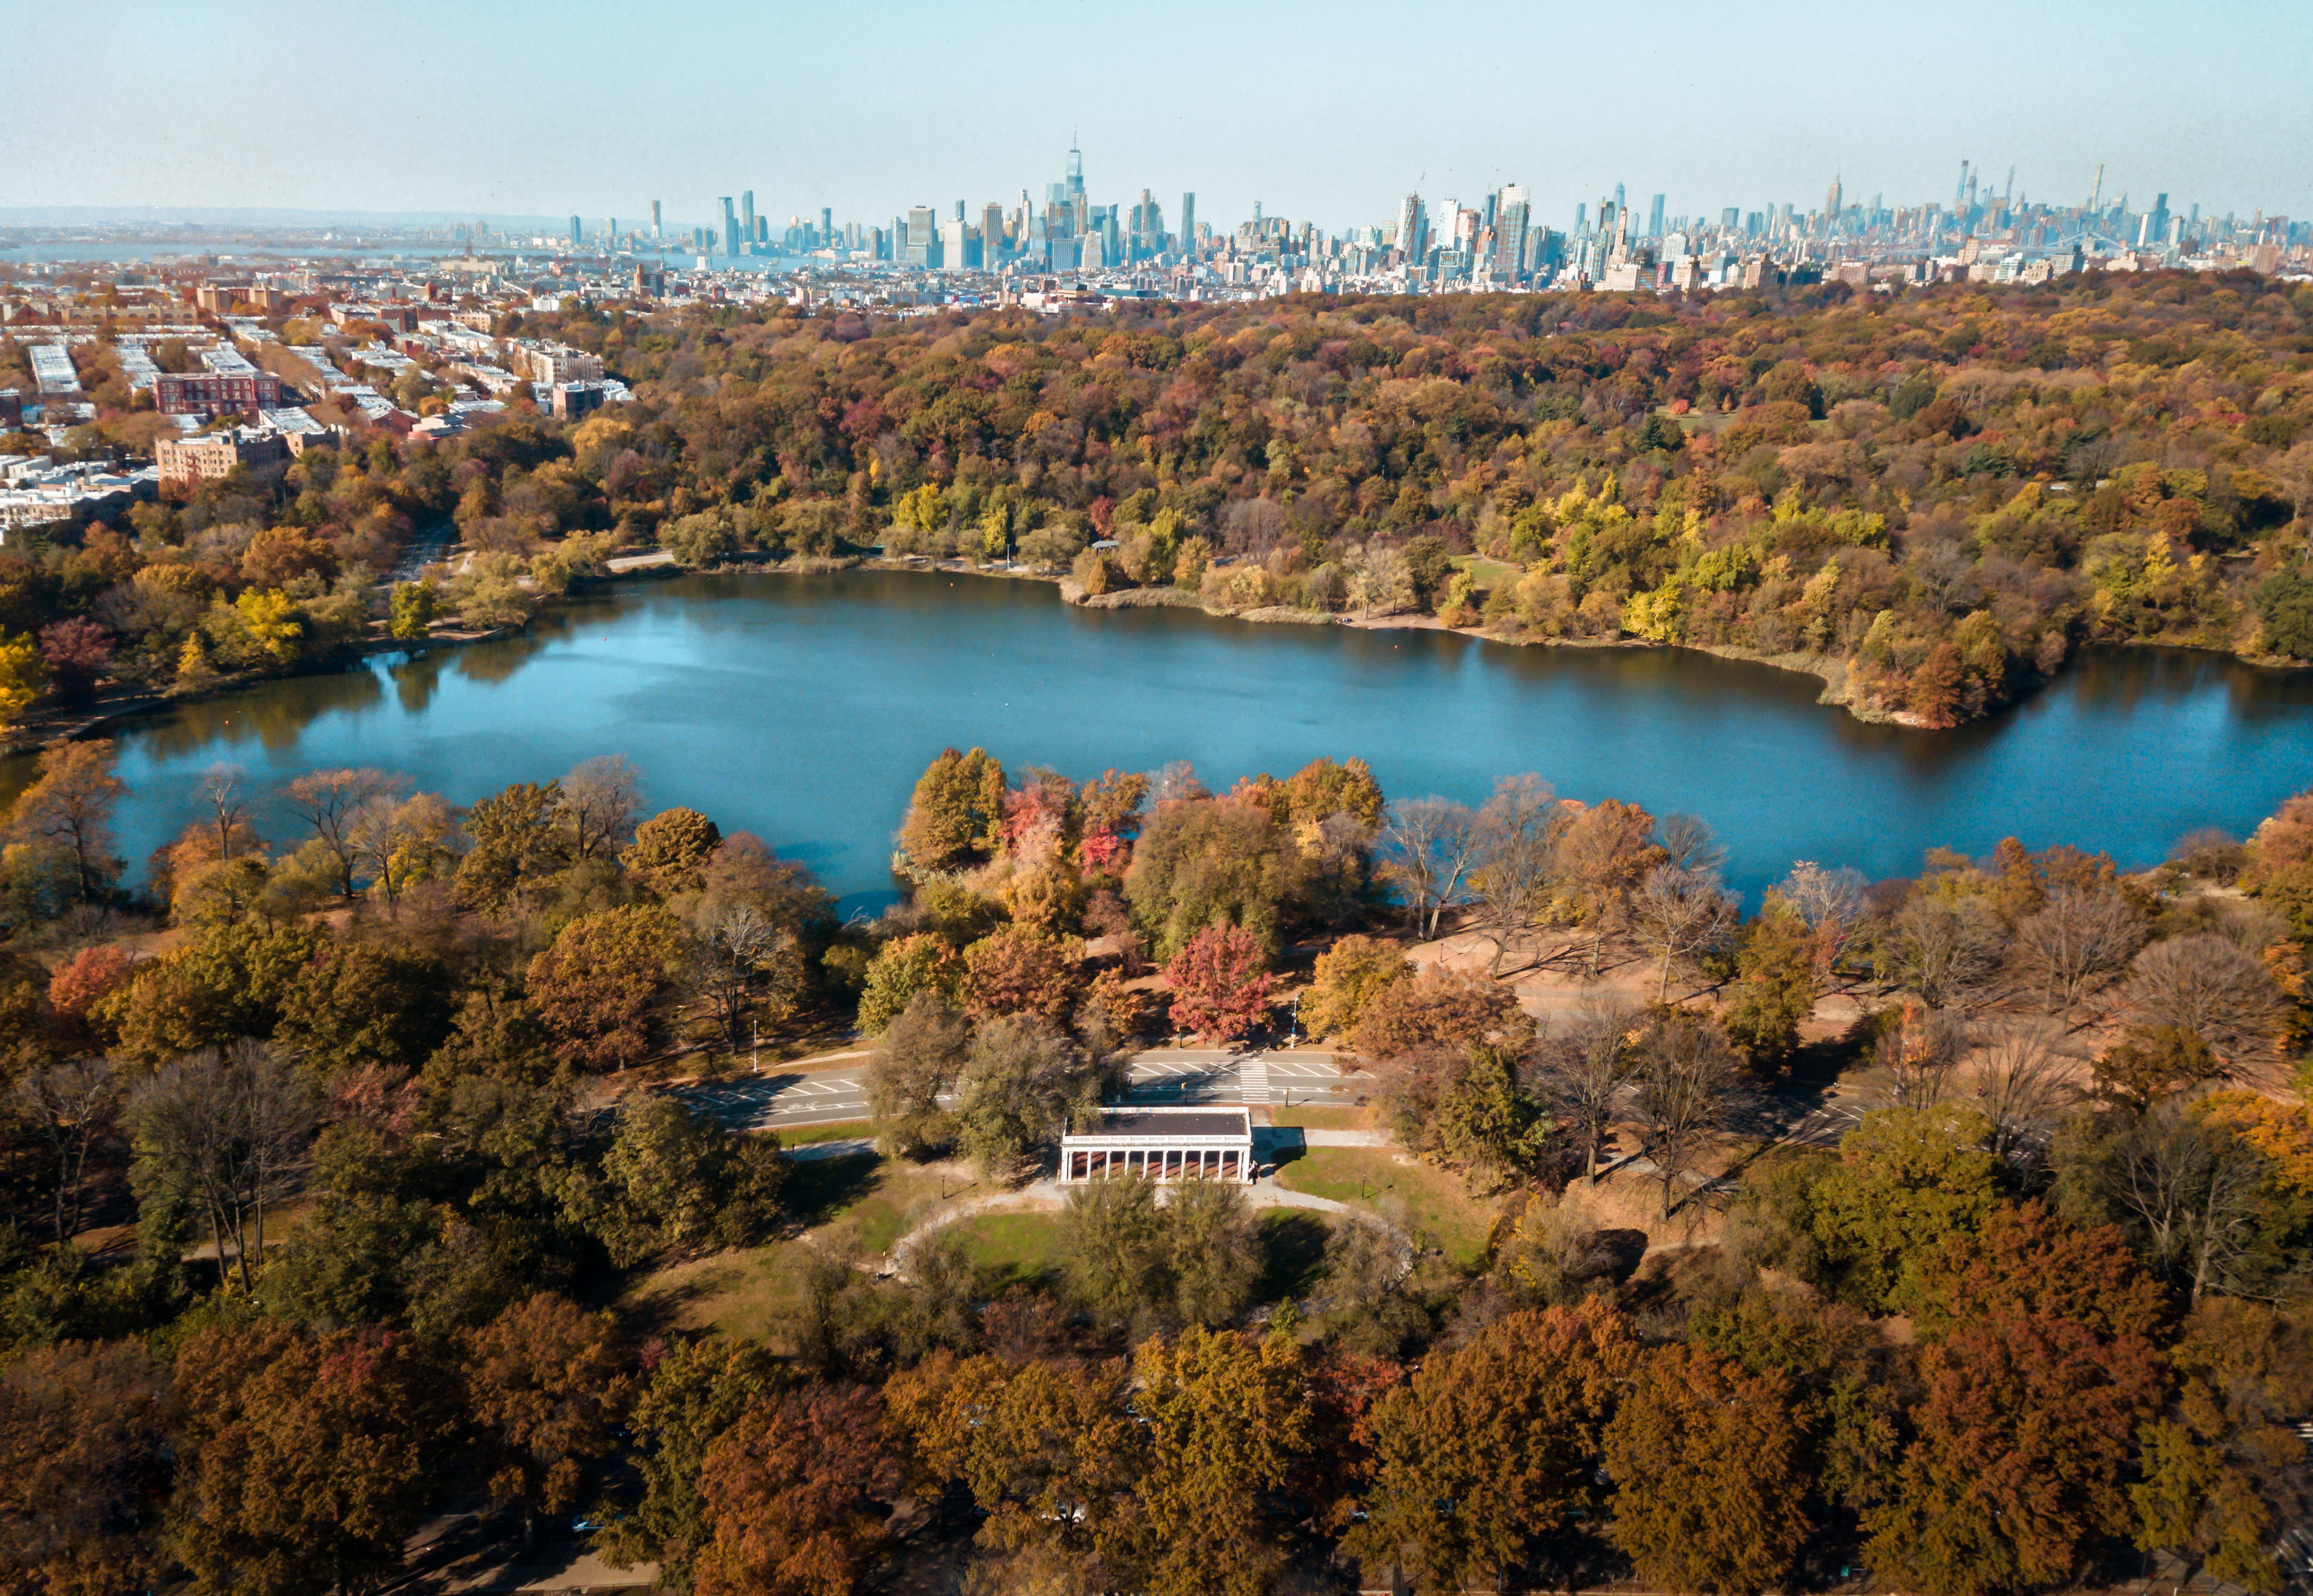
(1831, 671)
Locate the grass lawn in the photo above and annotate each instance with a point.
(840, 1131)
(876, 1199)
(1378, 1179)
(743, 1292)
(1488, 573)
(1012, 1248)
(1323, 1118)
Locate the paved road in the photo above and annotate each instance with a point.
(1281, 1078)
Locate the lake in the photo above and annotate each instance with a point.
(803, 708)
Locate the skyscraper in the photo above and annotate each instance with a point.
(656, 234)
(730, 226)
(1513, 214)
(1413, 229)
(747, 216)
(1187, 223)
(576, 237)
(1655, 218)
(1831, 201)
(827, 226)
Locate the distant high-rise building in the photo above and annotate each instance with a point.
(656, 234)
(992, 233)
(1076, 176)
(923, 237)
(1187, 223)
(1831, 201)
(730, 226)
(1513, 214)
(827, 223)
(747, 216)
(576, 238)
(1731, 217)
(1655, 218)
(1413, 229)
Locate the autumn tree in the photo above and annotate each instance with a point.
(1603, 852)
(1219, 982)
(1347, 976)
(546, 1387)
(2022, 1437)
(595, 986)
(956, 814)
(902, 968)
(1707, 1464)
(1201, 861)
(697, 1389)
(69, 806)
(1017, 970)
(672, 1178)
(1777, 982)
(1440, 1008)
(670, 850)
(795, 1489)
(1906, 1179)
(1228, 1420)
(1020, 1079)
(913, 1064)
(520, 837)
(305, 1460)
(1482, 1460)
(231, 1126)
(84, 1467)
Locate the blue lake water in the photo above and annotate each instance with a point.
(803, 708)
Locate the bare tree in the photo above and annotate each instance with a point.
(1831, 902)
(1688, 1087)
(233, 1124)
(73, 1108)
(332, 803)
(1603, 853)
(2190, 1191)
(2076, 940)
(1688, 842)
(1678, 911)
(2019, 1085)
(731, 944)
(602, 796)
(1587, 1070)
(1429, 847)
(2209, 985)
(1919, 1054)
(1512, 881)
(1946, 949)
(222, 792)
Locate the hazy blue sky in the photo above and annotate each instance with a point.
(1325, 112)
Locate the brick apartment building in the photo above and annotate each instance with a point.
(210, 393)
(187, 462)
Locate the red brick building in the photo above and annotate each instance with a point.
(210, 394)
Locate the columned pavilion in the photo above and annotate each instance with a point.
(1199, 1143)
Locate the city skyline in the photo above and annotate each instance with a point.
(1326, 123)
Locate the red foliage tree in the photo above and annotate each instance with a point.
(1220, 983)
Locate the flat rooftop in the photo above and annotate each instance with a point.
(1177, 1122)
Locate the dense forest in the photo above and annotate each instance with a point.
(349, 1171)
(1931, 498)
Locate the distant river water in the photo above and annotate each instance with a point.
(803, 708)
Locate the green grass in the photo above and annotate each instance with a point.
(877, 1200)
(841, 1130)
(1013, 1248)
(1321, 1119)
(1378, 1179)
(744, 1293)
(1488, 573)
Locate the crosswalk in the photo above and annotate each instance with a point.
(1252, 1079)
